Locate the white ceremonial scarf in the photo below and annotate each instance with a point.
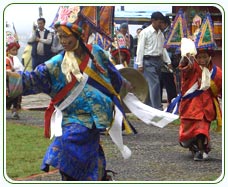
(115, 133)
(205, 79)
(147, 114)
(70, 65)
(57, 116)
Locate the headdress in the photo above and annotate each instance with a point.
(197, 20)
(83, 19)
(68, 16)
(178, 30)
(71, 17)
(205, 38)
(11, 41)
(120, 45)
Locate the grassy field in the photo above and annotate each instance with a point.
(25, 147)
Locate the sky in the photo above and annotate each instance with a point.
(24, 15)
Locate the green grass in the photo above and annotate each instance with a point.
(25, 148)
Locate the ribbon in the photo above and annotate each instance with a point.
(58, 97)
(57, 116)
(147, 114)
(115, 133)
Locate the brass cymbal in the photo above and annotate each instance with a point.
(139, 83)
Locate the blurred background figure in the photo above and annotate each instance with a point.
(120, 55)
(56, 47)
(124, 29)
(13, 64)
(41, 41)
(150, 56)
(167, 77)
(135, 43)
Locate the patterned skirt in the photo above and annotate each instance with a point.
(77, 153)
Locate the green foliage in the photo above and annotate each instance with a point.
(176, 122)
(214, 125)
(25, 147)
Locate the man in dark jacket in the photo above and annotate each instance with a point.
(167, 76)
(41, 41)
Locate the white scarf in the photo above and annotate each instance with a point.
(205, 79)
(70, 65)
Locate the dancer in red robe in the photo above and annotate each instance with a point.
(198, 110)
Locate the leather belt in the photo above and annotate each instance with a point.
(150, 56)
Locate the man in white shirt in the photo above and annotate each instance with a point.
(150, 55)
(41, 41)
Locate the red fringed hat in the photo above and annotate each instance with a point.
(11, 41)
(119, 45)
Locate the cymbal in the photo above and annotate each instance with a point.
(138, 82)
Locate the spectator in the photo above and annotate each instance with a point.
(41, 41)
(135, 42)
(167, 77)
(13, 64)
(145, 25)
(128, 37)
(151, 55)
(124, 29)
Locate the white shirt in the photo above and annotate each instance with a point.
(151, 42)
(18, 66)
(16, 63)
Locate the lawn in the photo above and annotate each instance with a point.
(25, 147)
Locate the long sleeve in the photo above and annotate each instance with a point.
(165, 56)
(48, 40)
(140, 49)
(36, 81)
(26, 83)
(32, 37)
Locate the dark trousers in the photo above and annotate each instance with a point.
(178, 80)
(167, 81)
(15, 102)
